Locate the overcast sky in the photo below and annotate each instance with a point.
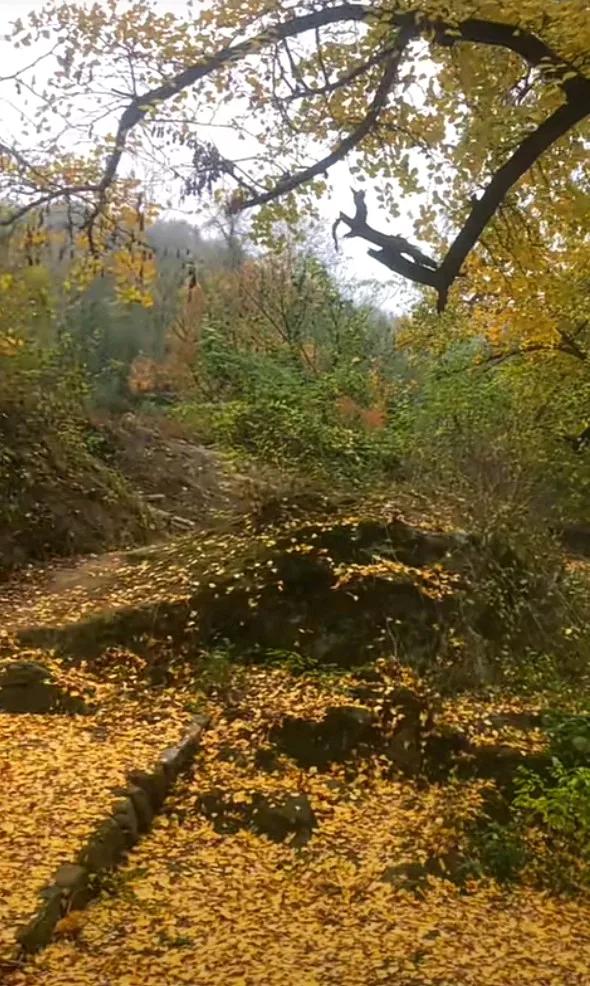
(353, 261)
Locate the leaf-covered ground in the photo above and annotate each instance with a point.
(64, 592)
(58, 773)
(196, 906)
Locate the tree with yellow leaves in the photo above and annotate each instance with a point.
(475, 109)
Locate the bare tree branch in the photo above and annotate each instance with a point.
(531, 148)
(139, 107)
(353, 139)
(392, 251)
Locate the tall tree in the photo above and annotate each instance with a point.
(475, 109)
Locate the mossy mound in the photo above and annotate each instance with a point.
(339, 590)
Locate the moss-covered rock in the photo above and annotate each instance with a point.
(338, 590)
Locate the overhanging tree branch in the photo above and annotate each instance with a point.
(139, 107)
(353, 139)
(404, 26)
(482, 210)
(529, 150)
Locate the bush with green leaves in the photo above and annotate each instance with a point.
(290, 418)
(499, 850)
(570, 739)
(557, 807)
(496, 435)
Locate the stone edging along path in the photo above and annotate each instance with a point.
(75, 883)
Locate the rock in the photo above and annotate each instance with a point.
(26, 686)
(29, 687)
(404, 702)
(342, 732)
(37, 933)
(226, 817)
(405, 717)
(452, 866)
(72, 879)
(413, 876)
(406, 876)
(155, 783)
(71, 875)
(266, 759)
(500, 762)
(231, 755)
(125, 816)
(288, 818)
(172, 762)
(443, 750)
(281, 818)
(177, 758)
(104, 849)
(143, 807)
(404, 749)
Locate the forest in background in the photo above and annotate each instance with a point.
(271, 355)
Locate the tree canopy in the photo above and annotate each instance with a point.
(471, 113)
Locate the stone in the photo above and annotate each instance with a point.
(404, 703)
(143, 807)
(38, 932)
(26, 686)
(406, 876)
(172, 762)
(404, 750)
(71, 875)
(176, 759)
(29, 687)
(413, 876)
(105, 848)
(451, 865)
(444, 749)
(72, 879)
(286, 818)
(230, 754)
(266, 759)
(199, 722)
(500, 762)
(125, 816)
(281, 818)
(226, 817)
(155, 783)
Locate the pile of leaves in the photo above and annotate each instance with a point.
(312, 578)
(59, 773)
(358, 902)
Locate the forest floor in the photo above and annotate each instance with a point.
(205, 900)
(377, 882)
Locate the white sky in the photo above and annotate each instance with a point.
(353, 263)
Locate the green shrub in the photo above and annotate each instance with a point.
(215, 670)
(557, 809)
(500, 851)
(570, 739)
(296, 425)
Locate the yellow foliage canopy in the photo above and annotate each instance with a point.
(474, 112)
